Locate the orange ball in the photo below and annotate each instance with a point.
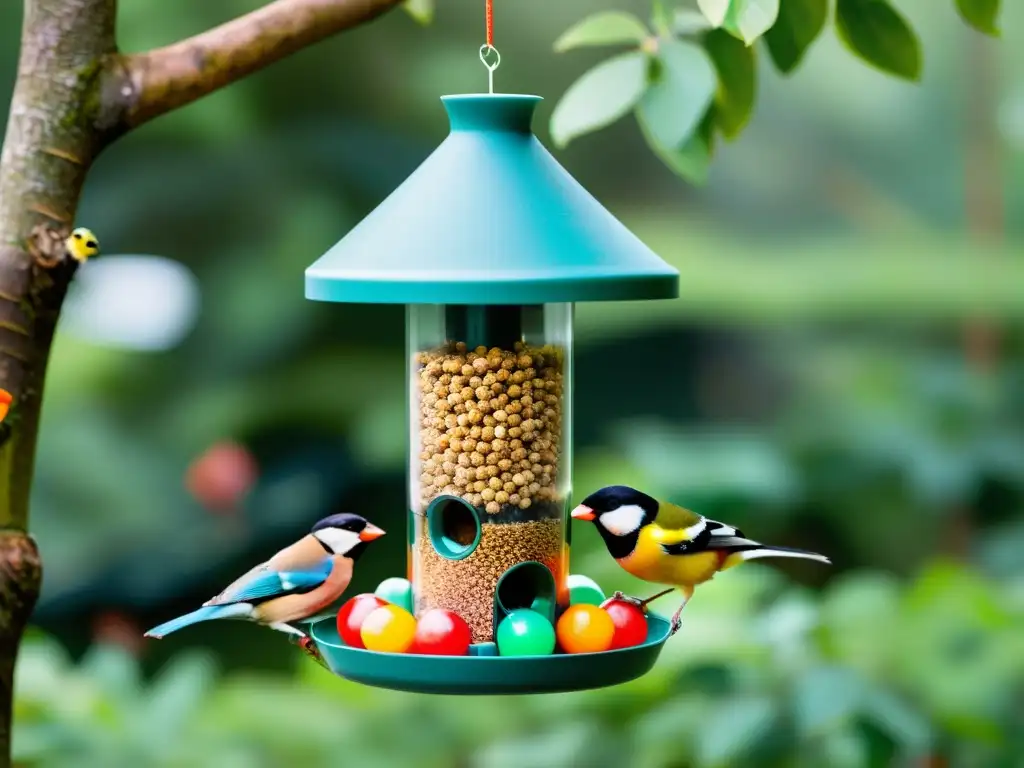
(388, 629)
(585, 628)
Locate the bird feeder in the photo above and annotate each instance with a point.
(489, 244)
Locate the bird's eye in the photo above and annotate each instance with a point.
(91, 244)
(78, 235)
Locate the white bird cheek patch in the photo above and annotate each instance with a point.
(623, 520)
(340, 541)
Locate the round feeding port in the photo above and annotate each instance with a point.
(453, 526)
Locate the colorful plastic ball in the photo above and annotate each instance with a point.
(397, 591)
(525, 633)
(388, 629)
(545, 606)
(440, 632)
(352, 615)
(630, 623)
(583, 590)
(585, 628)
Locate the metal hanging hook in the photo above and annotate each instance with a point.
(485, 52)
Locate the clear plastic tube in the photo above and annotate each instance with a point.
(490, 470)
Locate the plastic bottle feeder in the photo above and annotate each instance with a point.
(489, 244)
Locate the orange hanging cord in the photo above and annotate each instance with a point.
(489, 15)
(488, 53)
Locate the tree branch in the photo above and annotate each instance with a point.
(49, 144)
(150, 84)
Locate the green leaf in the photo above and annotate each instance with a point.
(799, 24)
(600, 97)
(421, 10)
(902, 722)
(177, 693)
(605, 28)
(736, 64)
(824, 696)
(114, 670)
(879, 35)
(714, 10)
(980, 14)
(687, 22)
(690, 161)
(680, 95)
(749, 19)
(661, 19)
(733, 727)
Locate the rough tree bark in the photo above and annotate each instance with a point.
(74, 95)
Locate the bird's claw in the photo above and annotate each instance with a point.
(307, 645)
(674, 627)
(629, 599)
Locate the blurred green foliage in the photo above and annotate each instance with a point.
(811, 385)
(875, 671)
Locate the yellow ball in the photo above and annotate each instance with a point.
(388, 629)
(585, 628)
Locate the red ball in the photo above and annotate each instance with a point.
(440, 632)
(630, 623)
(352, 615)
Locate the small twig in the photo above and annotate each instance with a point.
(63, 155)
(643, 603)
(166, 78)
(42, 210)
(21, 330)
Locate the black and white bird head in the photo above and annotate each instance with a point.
(618, 510)
(346, 534)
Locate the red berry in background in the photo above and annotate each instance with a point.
(352, 615)
(630, 623)
(118, 629)
(440, 632)
(220, 477)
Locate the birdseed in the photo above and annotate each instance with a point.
(490, 425)
(467, 586)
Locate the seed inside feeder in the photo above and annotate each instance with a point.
(467, 586)
(490, 424)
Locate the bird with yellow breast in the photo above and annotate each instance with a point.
(667, 544)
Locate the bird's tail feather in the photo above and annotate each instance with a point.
(206, 613)
(753, 554)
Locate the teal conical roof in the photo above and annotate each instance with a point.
(490, 218)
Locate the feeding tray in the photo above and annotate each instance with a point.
(488, 674)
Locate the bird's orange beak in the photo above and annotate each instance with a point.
(370, 532)
(583, 512)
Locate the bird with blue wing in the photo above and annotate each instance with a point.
(297, 584)
(667, 544)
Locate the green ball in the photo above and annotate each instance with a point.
(397, 591)
(525, 633)
(584, 590)
(543, 605)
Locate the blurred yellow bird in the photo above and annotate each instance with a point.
(82, 244)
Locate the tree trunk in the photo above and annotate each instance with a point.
(74, 95)
(20, 573)
(50, 141)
